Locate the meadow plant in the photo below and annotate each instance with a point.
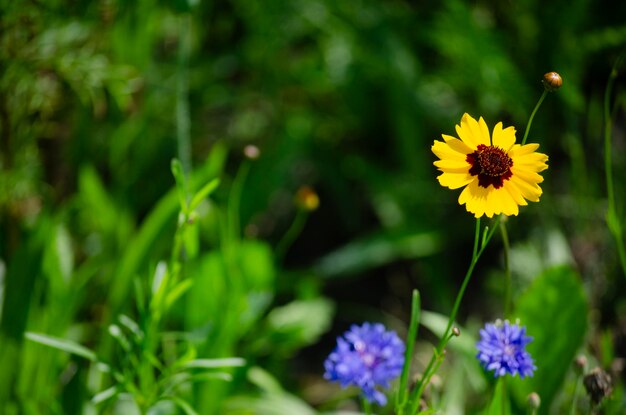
(368, 357)
(502, 349)
(206, 288)
(497, 176)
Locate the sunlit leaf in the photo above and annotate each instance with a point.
(203, 193)
(554, 311)
(62, 344)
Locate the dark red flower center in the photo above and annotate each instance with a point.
(491, 164)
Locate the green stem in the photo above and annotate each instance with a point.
(233, 231)
(403, 390)
(183, 123)
(292, 233)
(507, 269)
(459, 297)
(504, 397)
(367, 407)
(438, 355)
(574, 406)
(532, 115)
(613, 221)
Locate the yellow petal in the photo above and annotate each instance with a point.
(445, 151)
(472, 132)
(503, 138)
(452, 166)
(503, 202)
(454, 180)
(491, 201)
(515, 193)
(474, 197)
(532, 161)
(519, 150)
(528, 176)
(457, 144)
(528, 190)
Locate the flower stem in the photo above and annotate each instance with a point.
(438, 354)
(612, 218)
(403, 390)
(292, 233)
(183, 135)
(574, 406)
(459, 297)
(507, 269)
(503, 410)
(532, 115)
(367, 407)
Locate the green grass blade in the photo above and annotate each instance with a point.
(214, 363)
(206, 190)
(403, 390)
(62, 344)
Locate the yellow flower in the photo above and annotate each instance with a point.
(498, 175)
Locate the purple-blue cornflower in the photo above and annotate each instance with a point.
(502, 348)
(368, 357)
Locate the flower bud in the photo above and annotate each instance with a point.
(456, 331)
(598, 385)
(534, 401)
(307, 199)
(552, 81)
(251, 151)
(580, 364)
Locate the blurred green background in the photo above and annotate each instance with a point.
(97, 98)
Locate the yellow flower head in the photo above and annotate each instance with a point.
(498, 175)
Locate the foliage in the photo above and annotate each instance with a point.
(133, 284)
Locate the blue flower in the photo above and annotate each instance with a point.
(366, 356)
(502, 348)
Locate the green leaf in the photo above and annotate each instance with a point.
(214, 363)
(105, 395)
(268, 404)
(181, 185)
(176, 292)
(378, 250)
(58, 262)
(403, 391)
(500, 402)
(116, 333)
(264, 380)
(62, 344)
(298, 324)
(206, 190)
(131, 325)
(182, 404)
(554, 311)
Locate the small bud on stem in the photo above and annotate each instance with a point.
(534, 402)
(552, 81)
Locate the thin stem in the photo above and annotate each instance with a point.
(183, 123)
(233, 231)
(476, 239)
(574, 406)
(403, 390)
(507, 269)
(438, 354)
(459, 297)
(613, 221)
(367, 407)
(504, 397)
(292, 233)
(532, 115)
